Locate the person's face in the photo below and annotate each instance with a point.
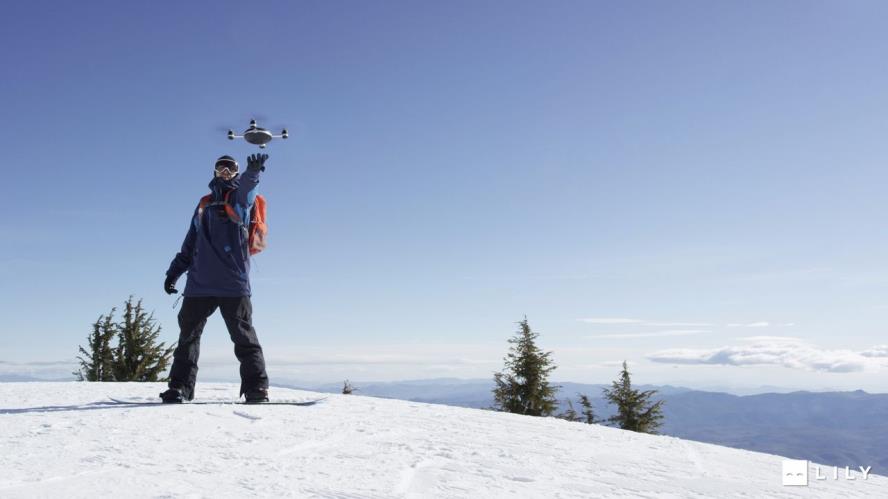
(226, 169)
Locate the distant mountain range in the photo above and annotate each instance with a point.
(831, 428)
(15, 378)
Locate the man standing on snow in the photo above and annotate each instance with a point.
(216, 256)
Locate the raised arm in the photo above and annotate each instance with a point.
(249, 181)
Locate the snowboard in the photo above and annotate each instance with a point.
(301, 403)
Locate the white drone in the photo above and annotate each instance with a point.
(257, 135)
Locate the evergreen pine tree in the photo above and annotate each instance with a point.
(587, 412)
(138, 356)
(97, 363)
(635, 411)
(347, 388)
(570, 414)
(523, 386)
(586, 415)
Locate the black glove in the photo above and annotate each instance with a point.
(256, 162)
(169, 285)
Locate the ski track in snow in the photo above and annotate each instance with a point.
(65, 440)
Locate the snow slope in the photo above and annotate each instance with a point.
(64, 440)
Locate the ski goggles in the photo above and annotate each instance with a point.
(226, 166)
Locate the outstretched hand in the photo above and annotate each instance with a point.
(256, 162)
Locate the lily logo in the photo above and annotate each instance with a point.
(795, 472)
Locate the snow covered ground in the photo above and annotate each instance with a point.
(65, 440)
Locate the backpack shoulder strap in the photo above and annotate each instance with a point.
(204, 202)
(230, 209)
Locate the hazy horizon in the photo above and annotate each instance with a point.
(217, 373)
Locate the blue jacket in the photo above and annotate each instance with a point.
(215, 252)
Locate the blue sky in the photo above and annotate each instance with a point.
(695, 187)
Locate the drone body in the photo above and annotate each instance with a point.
(257, 135)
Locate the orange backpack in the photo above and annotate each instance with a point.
(257, 229)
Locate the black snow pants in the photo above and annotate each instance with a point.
(238, 315)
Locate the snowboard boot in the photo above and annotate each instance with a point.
(173, 396)
(256, 396)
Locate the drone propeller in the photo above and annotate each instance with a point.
(242, 123)
(258, 117)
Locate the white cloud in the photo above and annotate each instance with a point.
(641, 322)
(677, 324)
(773, 339)
(778, 351)
(668, 332)
(610, 320)
(606, 364)
(877, 351)
(751, 324)
(39, 363)
(54, 369)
